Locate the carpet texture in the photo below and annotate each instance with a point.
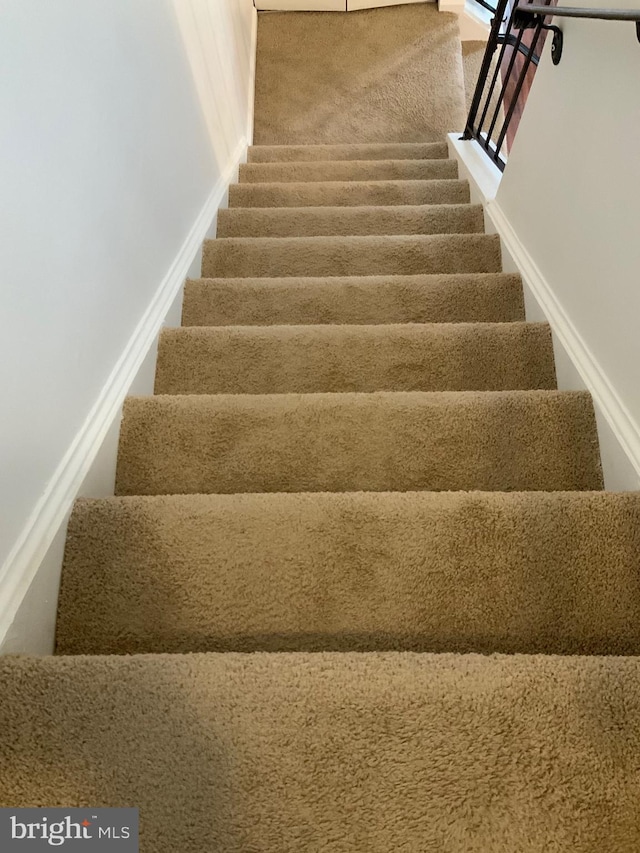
(353, 151)
(553, 572)
(388, 441)
(404, 357)
(334, 193)
(381, 75)
(483, 298)
(231, 257)
(340, 752)
(348, 170)
(357, 467)
(350, 221)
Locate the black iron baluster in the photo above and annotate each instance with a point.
(518, 89)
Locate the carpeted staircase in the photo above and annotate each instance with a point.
(358, 467)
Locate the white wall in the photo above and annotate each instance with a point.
(571, 195)
(122, 123)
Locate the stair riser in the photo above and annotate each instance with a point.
(493, 441)
(279, 360)
(354, 572)
(376, 170)
(350, 221)
(489, 298)
(305, 153)
(347, 193)
(318, 256)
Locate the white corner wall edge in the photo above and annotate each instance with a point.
(43, 536)
(576, 366)
(251, 95)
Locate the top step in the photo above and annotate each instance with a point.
(366, 151)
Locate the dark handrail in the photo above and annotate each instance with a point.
(568, 12)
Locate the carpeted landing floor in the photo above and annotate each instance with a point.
(361, 589)
(380, 75)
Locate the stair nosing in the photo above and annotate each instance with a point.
(346, 327)
(200, 399)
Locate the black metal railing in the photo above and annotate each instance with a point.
(506, 74)
(491, 7)
(517, 37)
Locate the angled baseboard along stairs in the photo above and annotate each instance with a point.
(360, 587)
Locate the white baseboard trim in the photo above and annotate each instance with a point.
(52, 510)
(251, 95)
(607, 402)
(474, 166)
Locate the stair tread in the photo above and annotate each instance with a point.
(398, 441)
(348, 170)
(551, 572)
(486, 297)
(337, 255)
(400, 357)
(374, 751)
(350, 221)
(302, 194)
(353, 151)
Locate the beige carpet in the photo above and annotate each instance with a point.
(371, 255)
(358, 468)
(340, 193)
(347, 753)
(347, 151)
(350, 221)
(455, 298)
(451, 571)
(385, 441)
(381, 75)
(348, 170)
(308, 359)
